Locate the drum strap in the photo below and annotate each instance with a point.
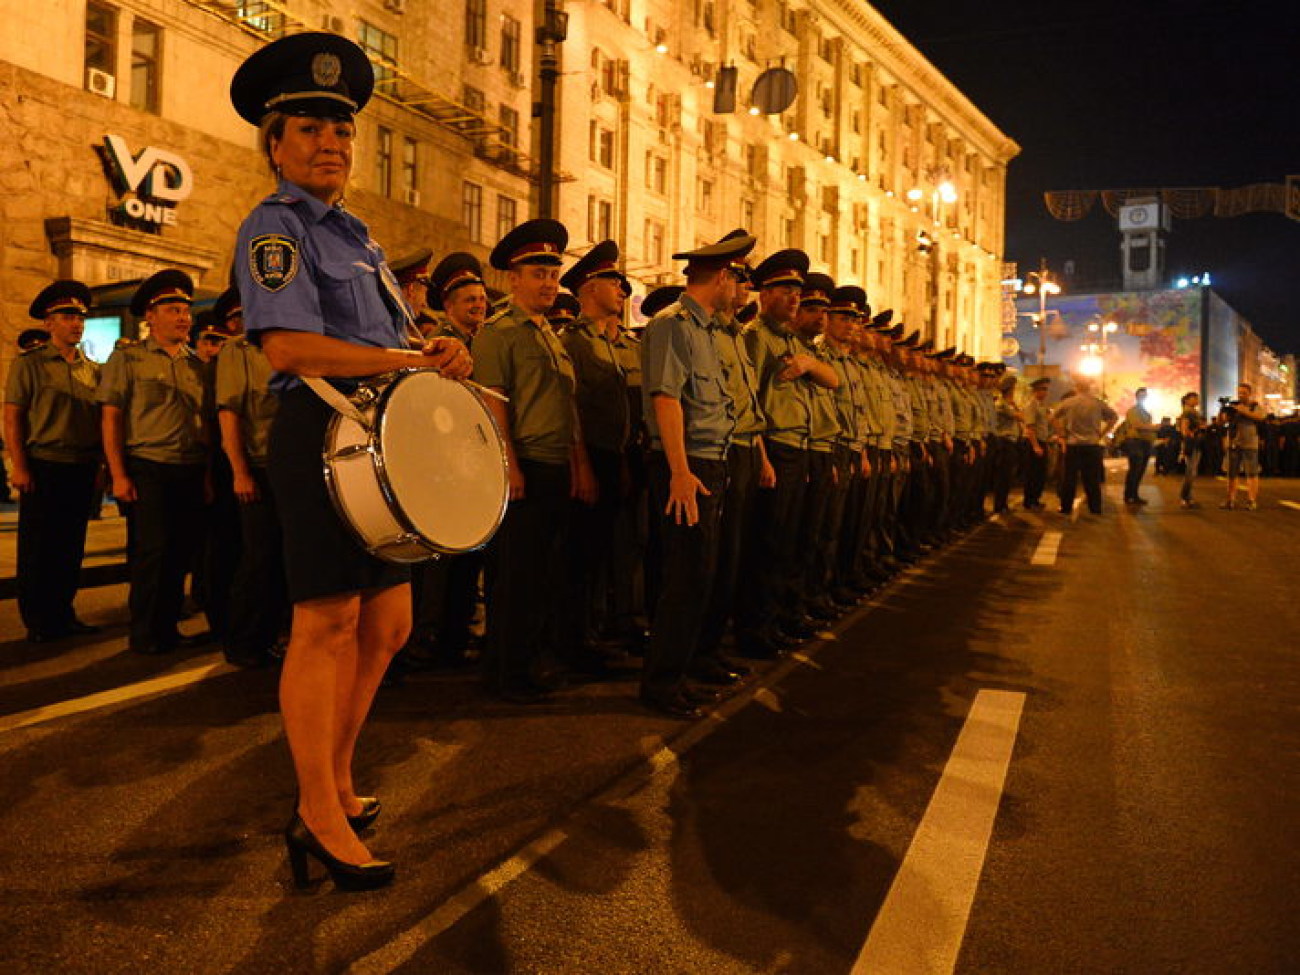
(336, 400)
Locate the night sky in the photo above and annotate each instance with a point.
(1150, 93)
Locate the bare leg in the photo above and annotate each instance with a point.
(324, 637)
(383, 625)
(1252, 488)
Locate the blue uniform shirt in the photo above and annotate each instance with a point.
(679, 359)
(308, 267)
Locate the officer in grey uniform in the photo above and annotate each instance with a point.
(1037, 443)
(51, 425)
(517, 355)
(690, 417)
(246, 408)
(852, 467)
(156, 442)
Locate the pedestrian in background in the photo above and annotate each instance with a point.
(1037, 424)
(1081, 422)
(1138, 444)
(1242, 418)
(1191, 432)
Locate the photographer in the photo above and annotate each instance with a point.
(1242, 418)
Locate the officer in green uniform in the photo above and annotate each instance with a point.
(412, 274)
(51, 425)
(517, 355)
(156, 443)
(596, 347)
(918, 495)
(748, 470)
(563, 313)
(852, 466)
(823, 433)
(259, 599)
(444, 591)
(691, 418)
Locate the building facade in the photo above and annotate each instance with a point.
(122, 153)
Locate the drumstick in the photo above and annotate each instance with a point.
(486, 392)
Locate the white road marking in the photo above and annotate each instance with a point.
(920, 927)
(118, 695)
(1290, 504)
(1045, 553)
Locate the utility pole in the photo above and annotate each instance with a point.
(552, 33)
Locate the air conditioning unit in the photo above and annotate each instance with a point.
(101, 82)
(411, 196)
(479, 55)
(332, 23)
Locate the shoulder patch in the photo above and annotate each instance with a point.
(273, 260)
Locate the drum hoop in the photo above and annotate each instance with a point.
(377, 458)
(340, 509)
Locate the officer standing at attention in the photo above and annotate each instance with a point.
(517, 355)
(691, 419)
(51, 425)
(412, 274)
(852, 466)
(444, 590)
(1037, 442)
(156, 442)
(594, 342)
(246, 407)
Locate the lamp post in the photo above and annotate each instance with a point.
(1103, 330)
(1041, 283)
(550, 35)
(942, 191)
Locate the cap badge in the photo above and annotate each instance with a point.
(326, 69)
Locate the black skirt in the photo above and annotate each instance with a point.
(322, 557)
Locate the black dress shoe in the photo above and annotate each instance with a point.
(713, 672)
(79, 628)
(735, 666)
(301, 844)
(759, 648)
(699, 695)
(370, 810)
(44, 636)
(671, 703)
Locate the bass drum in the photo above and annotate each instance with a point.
(428, 475)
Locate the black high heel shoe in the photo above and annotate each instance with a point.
(370, 809)
(300, 843)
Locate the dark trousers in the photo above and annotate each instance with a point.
(1138, 453)
(914, 504)
(940, 490)
(1082, 461)
(855, 526)
(770, 594)
(734, 545)
(812, 532)
(689, 555)
(52, 542)
(259, 597)
(630, 548)
(444, 596)
(525, 578)
(591, 553)
(167, 523)
(217, 557)
(1035, 468)
(1003, 453)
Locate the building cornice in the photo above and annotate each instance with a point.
(858, 20)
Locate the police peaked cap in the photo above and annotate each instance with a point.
(454, 271)
(817, 288)
(540, 241)
(739, 266)
(945, 355)
(725, 253)
(29, 338)
(61, 296)
(912, 341)
(227, 305)
(881, 322)
(599, 262)
(784, 267)
(659, 299)
(747, 314)
(412, 267)
(209, 325)
(315, 74)
(849, 299)
(162, 288)
(926, 347)
(565, 309)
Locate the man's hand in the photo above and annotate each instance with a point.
(124, 489)
(582, 481)
(245, 487)
(682, 504)
(1038, 450)
(449, 356)
(865, 466)
(516, 478)
(766, 475)
(22, 480)
(795, 366)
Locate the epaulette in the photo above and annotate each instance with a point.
(500, 313)
(281, 198)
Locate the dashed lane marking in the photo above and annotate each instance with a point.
(1290, 504)
(920, 927)
(118, 695)
(1045, 553)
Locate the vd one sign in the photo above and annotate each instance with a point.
(151, 183)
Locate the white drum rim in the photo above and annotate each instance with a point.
(377, 459)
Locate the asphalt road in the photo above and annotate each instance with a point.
(1145, 822)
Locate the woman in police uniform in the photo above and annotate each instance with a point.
(321, 300)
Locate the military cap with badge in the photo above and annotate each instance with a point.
(659, 299)
(599, 262)
(564, 312)
(67, 297)
(457, 270)
(168, 286)
(540, 241)
(785, 267)
(816, 292)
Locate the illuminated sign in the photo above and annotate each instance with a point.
(150, 184)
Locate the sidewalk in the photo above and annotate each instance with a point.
(105, 562)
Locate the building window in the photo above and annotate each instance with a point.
(788, 231)
(384, 162)
(146, 44)
(747, 215)
(474, 99)
(261, 16)
(476, 24)
(826, 49)
(601, 145)
(382, 45)
(654, 242)
(410, 167)
(471, 210)
(101, 39)
(510, 44)
(600, 218)
(509, 119)
(825, 248)
(507, 215)
(749, 45)
(855, 73)
(704, 196)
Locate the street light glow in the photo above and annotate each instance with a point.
(914, 194)
(753, 110)
(947, 192)
(661, 48)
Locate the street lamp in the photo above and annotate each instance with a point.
(1040, 282)
(1103, 330)
(942, 191)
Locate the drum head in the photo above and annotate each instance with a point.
(443, 461)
